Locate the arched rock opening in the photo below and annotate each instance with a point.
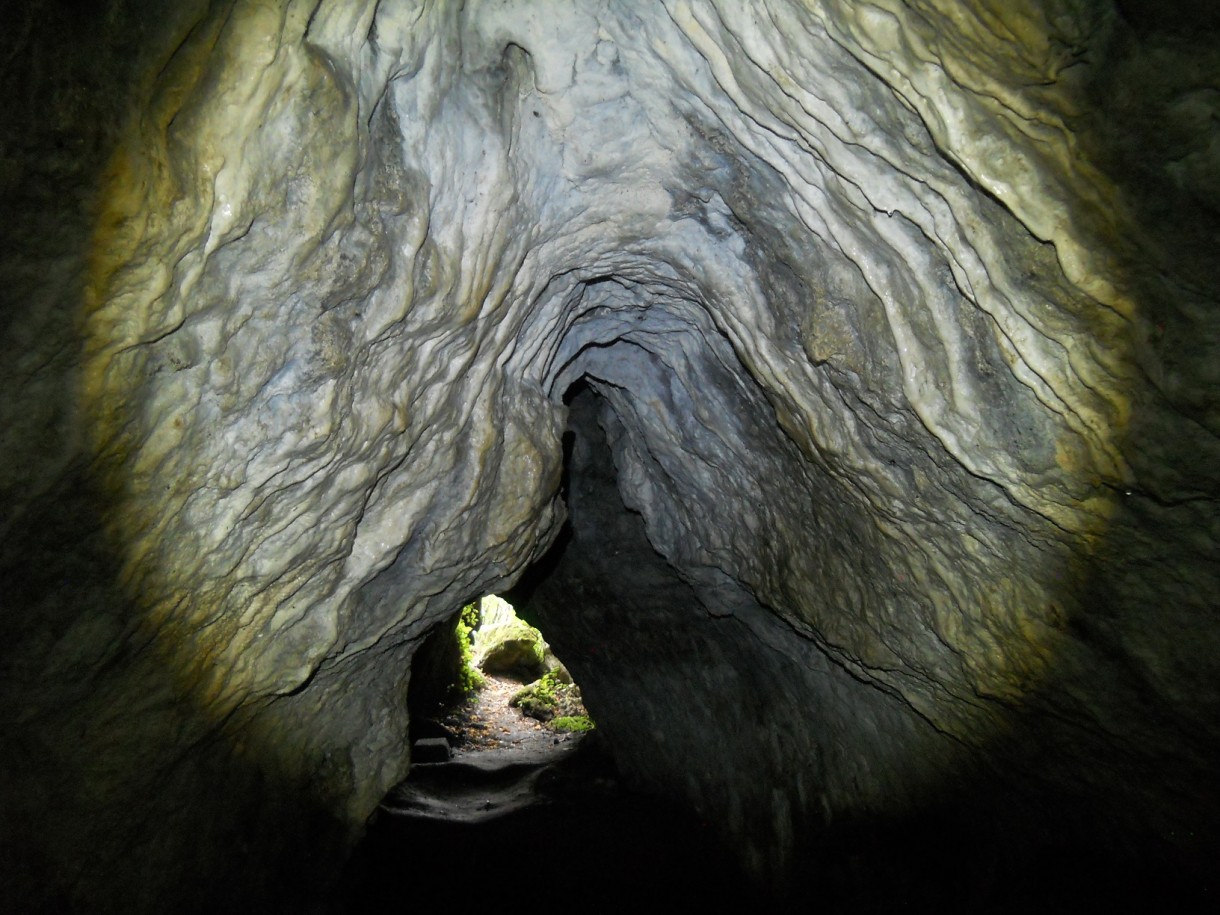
(897, 446)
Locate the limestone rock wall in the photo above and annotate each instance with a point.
(901, 408)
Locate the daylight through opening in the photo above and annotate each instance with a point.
(489, 680)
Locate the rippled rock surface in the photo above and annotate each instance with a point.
(846, 369)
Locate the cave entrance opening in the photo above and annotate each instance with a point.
(489, 680)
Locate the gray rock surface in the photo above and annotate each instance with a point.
(896, 455)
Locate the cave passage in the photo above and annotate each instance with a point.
(558, 826)
(547, 816)
(599, 838)
(834, 383)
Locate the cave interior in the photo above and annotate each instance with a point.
(835, 384)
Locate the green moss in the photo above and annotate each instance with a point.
(552, 696)
(540, 700)
(575, 723)
(471, 679)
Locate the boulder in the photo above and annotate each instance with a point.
(506, 644)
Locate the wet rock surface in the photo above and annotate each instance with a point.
(837, 381)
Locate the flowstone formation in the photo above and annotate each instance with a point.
(882, 335)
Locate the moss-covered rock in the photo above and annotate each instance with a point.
(550, 696)
(505, 644)
(572, 723)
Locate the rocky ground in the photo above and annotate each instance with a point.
(486, 721)
(501, 762)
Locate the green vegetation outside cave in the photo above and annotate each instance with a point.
(470, 678)
(553, 699)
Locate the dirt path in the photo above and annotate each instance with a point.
(498, 756)
(487, 722)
